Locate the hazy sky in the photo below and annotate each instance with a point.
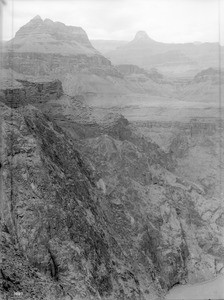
(163, 20)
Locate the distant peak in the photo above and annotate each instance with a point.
(141, 35)
(37, 18)
(48, 21)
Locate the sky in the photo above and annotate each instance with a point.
(164, 20)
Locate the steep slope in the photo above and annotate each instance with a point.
(115, 225)
(160, 219)
(196, 146)
(56, 242)
(48, 96)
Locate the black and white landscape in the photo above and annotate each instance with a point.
(111, 167)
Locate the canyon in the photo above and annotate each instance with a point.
(111, 174)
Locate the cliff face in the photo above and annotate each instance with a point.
(39, 64)
(55, 238)
(195, 147)
(115, 225)
(162, 220)
(31, 93)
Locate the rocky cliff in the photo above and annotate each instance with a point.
(40, 64)
(56, 242)
(31, 93)
(160, 218)
(196, 149)
(92, 207)
(114, 222)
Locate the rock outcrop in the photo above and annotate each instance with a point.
(35, 93)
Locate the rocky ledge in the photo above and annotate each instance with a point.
(31, 93)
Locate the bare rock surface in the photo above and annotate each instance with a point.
(30, 93)
(143, 192)
(93, 206)
(56, 241)
(118, 222)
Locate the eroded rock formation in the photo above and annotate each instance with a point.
(55, 237)
(111, 223)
